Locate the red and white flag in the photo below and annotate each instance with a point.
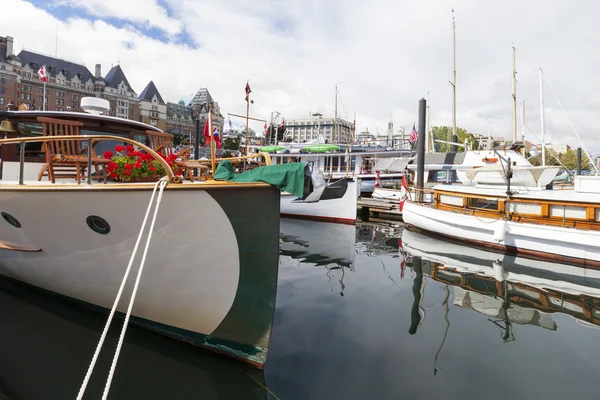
(42, 73)
(266, 130)
(402, 257)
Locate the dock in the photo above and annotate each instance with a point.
(378, 209)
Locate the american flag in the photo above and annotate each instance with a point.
(413, 135)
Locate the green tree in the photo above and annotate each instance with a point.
(445, 133)
(569, 160)
(232, 143)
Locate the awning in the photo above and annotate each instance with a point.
(392, 164)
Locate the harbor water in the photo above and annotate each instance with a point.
(363, 312)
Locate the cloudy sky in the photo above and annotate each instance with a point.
(384, 55)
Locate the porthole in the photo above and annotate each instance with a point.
(10, 219)
(98, 224)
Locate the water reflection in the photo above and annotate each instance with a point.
(507, 289)
(46, 344)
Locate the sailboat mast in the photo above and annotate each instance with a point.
(542, 127)
(335, 118)
(427, 134)
(514, 95)
(454, 137)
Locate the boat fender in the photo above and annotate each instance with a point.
(498, 271)
(500, 231)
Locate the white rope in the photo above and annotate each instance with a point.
(571, 124)
(134, 293)
(118, 298)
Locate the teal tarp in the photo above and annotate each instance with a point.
(287, 177)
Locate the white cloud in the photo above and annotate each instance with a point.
(146, 12)
(383, 54)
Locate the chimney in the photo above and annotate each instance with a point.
(98, 71)
(9, 45)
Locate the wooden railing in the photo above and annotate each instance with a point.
(24, 140)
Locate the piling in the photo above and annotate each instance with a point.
(197, 139)
(421, 149)
(579, 161)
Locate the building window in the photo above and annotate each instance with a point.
(23, 87)
(2, 81)
(2, 90)
(28, 96)
(1, 100)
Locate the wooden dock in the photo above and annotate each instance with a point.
(379, 209)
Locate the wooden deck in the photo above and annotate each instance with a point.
(379, 209)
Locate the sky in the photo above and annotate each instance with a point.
(384, 56)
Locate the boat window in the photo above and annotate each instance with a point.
(597, 214)
(488, 204)
(452, 200)
(449, 277)
(526, 208)
(33, 150)
(480, 284)
(568, 212)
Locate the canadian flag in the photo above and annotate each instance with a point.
(42, 73)
(404, 191)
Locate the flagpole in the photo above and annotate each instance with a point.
(44, 98)
(212, 139)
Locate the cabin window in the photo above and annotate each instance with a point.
(597, 214)
(103, 145)
(449, 276)
(526, 208)
(518, 291)
(33, 150)
(568, 212)
(488, 204)
(452, 200)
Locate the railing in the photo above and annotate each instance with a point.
(267, 157)
(24, 140)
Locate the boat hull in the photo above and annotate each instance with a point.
(342, 210)
(566, 245)
(208, 278)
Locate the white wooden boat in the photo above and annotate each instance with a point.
(209, 278)
(561, 225)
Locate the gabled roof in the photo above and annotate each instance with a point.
(116, 76)
(150, 91)
(179, 110)
(72, 69)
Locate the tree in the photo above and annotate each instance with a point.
(445, 133)
(568, 159)
(232, 143)
(280, 130)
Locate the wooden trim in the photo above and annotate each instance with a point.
(117, 187)
(16, 247)
(347, 221)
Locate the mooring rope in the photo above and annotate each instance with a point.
(161, 183)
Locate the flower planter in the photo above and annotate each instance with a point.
(144, 179)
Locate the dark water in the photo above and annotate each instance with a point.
(356, 318)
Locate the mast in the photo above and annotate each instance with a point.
(542, 127)
(335, 119)
(514, 95)
(427, 133)
(454, 137)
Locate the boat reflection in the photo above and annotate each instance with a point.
(505, 288)
(46, 344)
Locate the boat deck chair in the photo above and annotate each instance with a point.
(163, 143)
(66, 158)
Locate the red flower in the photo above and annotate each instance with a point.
(128, 167)
(130, 154)
(113, 175)
(119, 148)
(147, 157)
(139, 153)
(153, 168)
(129, 148)
(108, 155)
(127, 172)
(137, 164)
(112, 166)
(172, 157)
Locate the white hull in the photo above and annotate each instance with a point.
(193, 267)
(339, 210)
(571, 245)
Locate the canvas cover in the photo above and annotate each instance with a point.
(286, 177)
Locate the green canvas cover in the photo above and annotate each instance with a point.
(287, 177)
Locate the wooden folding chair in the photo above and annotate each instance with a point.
(66, 158)
(163, 143)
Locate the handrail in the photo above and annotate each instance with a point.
(172, 177)
(267, 157)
